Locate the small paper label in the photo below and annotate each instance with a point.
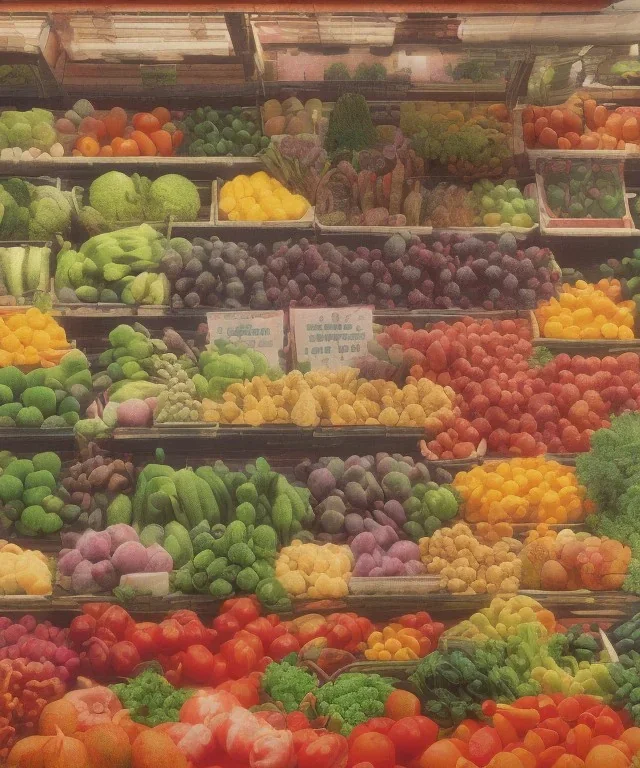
(262, 331)
(158, 74)
(331, 337)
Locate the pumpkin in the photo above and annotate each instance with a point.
(62, 751)
(58, 714)
(57, 751)
(94, 706)
(27, 753)
(154, 749)
(129, 726)
(107, 746)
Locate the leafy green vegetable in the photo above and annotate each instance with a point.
(353, 698)
(287, 683)
(151, 699)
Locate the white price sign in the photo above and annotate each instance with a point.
(331, 337)
(259, 330)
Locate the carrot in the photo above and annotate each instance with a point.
(144, 142)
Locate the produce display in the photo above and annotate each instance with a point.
(24, 270)
(259, 197)
(228, 545)
(522, 491)
(580, 123)
(120, 266)
(583, 190)
(48, 398)
(210, 132)
(363, 492)
(336, 398)
(487, 204)
(468, 140)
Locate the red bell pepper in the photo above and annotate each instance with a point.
(170, 637)
(116, 620)
(330, 750)
(98, 657)
(244, 609)
(144, 636)
(183, 616)
(226, 625)
(241, 654)
(282, 646)
(95, 609)
(197, 663)
(124, 658)
(219, 669)
(81, 629)
(245, 689)
(262, 628)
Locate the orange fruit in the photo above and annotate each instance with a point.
(402, 704)
(605, 754)
(442, 754)
(631, 738)
(505, 760)
(58, 714)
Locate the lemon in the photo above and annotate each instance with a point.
(260, 177)
(278, 214)
(282, 193)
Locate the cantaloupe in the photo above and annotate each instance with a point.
(275, 126)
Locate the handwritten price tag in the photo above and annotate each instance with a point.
(262, 331)
(331, 337)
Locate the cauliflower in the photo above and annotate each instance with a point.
(174, 196)
(116, 197)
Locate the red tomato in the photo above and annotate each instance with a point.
(282, 646)
(124, 658)
(375, 748)
(170, 636)
(330, 750)
(412, 735)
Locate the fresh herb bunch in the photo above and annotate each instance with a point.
(151, 699)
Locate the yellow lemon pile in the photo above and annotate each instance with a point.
(259, 197)
(585, 311)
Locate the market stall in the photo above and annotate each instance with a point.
(319, 387)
